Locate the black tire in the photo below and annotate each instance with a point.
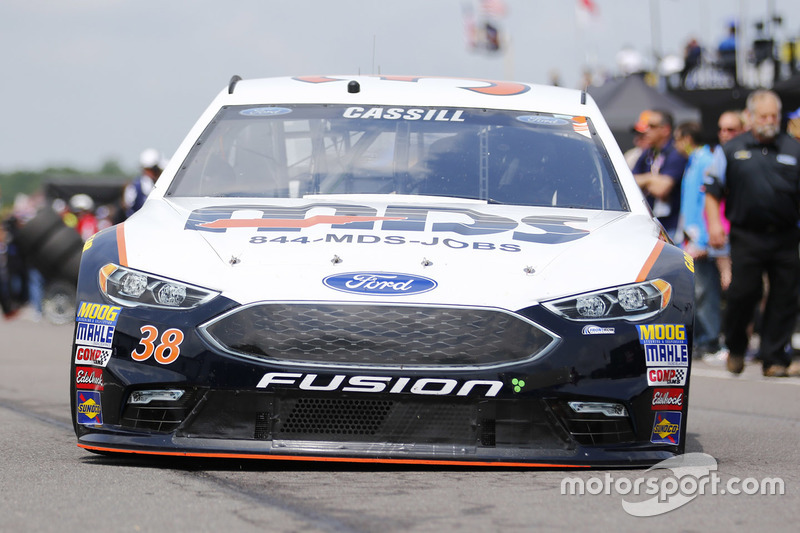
(71, 267)
(35, 231)
(58, 303)
(50, 255)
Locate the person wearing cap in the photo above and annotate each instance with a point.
(759, 177)
(82, 206)
(137, 191)
(659, 170)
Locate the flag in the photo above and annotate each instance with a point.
(587, 12)
(493, 8)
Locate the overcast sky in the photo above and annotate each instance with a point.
(85, 81)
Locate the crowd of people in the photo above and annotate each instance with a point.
(734, 207)
(21, 282)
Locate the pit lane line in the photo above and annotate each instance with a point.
(315, 520)
(14, 408)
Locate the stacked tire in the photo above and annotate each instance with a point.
(55, 250)
(51, 246)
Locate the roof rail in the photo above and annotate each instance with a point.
(232, 84)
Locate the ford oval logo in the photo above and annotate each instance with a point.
(383, 283)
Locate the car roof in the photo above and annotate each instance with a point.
(409, 90)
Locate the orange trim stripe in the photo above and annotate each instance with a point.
(121, 250)
(651, 260)
(332, 459)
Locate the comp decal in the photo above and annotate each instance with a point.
(89, 355)
(667, 376)
(382, 384)
(664, 344)
(666, 428)
(90, 411)
(90, 378)
(667, 399)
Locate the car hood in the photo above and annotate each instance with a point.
(471, 252)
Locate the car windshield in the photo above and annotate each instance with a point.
(508, 157)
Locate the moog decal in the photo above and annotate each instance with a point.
(664, 344)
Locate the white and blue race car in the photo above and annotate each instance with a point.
(388, 269)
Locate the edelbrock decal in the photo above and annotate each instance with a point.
(383, 283)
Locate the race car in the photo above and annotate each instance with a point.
(389, 269)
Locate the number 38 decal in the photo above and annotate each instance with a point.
(167, 349)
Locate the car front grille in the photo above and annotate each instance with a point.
(373, 423)
(367, 335)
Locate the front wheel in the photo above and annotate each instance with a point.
(58, 304)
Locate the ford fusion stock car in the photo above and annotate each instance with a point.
(388, 269)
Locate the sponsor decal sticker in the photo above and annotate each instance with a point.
(597, 330)
(94, 335)
(89, 378)
(96, 324)
(399, 113)
(689, 262)
(667, 399)
(581, 126)
(518, 384)
(382, 384)
(542, 120)
(666, 428)
(90, 412)
(264, 111)
(666, 376)
(383, 283)
(664, 344)
(97, 313)
(398, 224)
(89, 355)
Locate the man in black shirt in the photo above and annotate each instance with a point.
(758, 174)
